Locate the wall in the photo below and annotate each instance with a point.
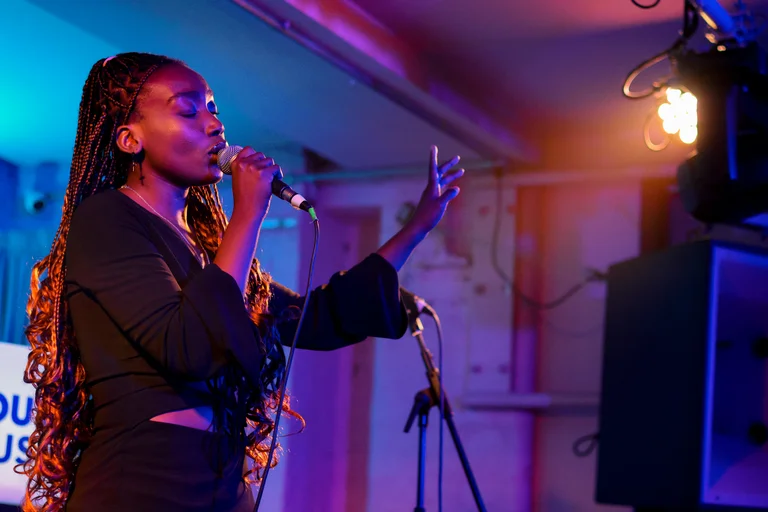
(25, 235)
(440, 270)
(582, 225)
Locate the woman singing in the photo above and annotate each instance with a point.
(155, 335)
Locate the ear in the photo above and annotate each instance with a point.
(129, 139)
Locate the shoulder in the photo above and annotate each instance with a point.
(105, 210)
(106, 227)
(107, 201)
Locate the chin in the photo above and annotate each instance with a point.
(213, 176)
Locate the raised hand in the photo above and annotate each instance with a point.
(437, 194)
(431, 208)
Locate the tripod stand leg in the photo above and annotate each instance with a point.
(423, 420)
(422, 403)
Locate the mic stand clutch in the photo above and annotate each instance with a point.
(424, 401)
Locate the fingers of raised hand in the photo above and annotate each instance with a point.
(445, 166)
(437, 171)
(449, 177)
(438, 176)
(449, 194)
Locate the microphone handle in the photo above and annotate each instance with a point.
(279, 188)
(286, 193)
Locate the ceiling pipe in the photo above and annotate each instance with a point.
(484, 168)
(391, 172)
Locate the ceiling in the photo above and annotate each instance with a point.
(427, 22)
(272, 92)
(548, 72)
(553, 69)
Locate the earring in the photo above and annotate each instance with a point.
(136, 164)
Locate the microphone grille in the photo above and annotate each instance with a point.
(226, 156)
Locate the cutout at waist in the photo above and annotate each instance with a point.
(199, 418)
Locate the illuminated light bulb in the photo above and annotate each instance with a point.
(689, 99)
(688, 134)
(671, 126)
(673, 95)
(679, 114)
(666, 111)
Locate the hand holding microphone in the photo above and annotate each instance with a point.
(255, 178)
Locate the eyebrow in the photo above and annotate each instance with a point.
(193, 95)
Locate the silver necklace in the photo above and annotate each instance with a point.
(204, 258)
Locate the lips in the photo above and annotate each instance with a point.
(218, 147)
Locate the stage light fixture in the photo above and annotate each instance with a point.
(726, 179)
(717, 100)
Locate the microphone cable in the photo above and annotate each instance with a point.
(441, 403)
(288, 363)
(441, 445)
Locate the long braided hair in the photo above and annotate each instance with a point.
(63, 411)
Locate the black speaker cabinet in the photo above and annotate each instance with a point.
(684, 406)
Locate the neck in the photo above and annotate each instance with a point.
(168, 199)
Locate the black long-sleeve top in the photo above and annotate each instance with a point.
(150, 322)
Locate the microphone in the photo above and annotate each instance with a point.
(414, 304)
(414, 307)
(279, 188)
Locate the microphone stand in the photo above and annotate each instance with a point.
(423, 402)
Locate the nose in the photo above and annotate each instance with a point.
(215, 127)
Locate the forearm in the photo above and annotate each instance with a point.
(238, 247)
(398, 249)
